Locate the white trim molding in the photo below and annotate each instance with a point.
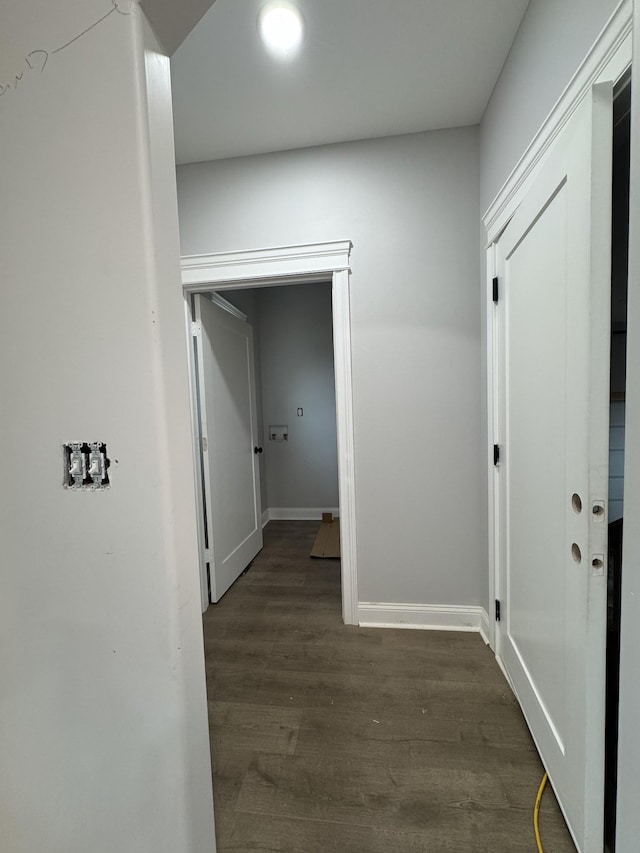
(485, 627)
(292, 513)
(261, 266)
(223, 303)
(317, 262)
(196, 456)
(608, 60)
(429, 617)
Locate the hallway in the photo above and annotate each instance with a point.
(333, 738)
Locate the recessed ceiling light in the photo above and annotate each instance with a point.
(281, 27)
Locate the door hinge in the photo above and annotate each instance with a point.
(495, 289)
(496, 454)
(497, 610)
(194, 329)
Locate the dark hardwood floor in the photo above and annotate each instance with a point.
(335, 739)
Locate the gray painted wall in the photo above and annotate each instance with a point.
(552, 41)
(103, 706)
(296, 353)
(410, 206)
(293, 345)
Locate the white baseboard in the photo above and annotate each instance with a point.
(265, 518)
(434, 617)
(485, 630)
(297, 513)
(505, 673)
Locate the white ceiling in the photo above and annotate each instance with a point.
(368, 68)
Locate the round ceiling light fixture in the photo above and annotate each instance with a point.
(281, 28)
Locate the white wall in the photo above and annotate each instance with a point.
(552, 41)
(296, 354)
(104, 731)
(174, 21)
(410, 206)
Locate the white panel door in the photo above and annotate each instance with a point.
(553, 316)
(226, 384)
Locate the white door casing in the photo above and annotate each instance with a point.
(229, 437)
(311, 263)
(552, 339)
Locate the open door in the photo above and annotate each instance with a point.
(553, 315)
(231, 474)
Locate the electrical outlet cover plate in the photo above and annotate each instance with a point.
(278, 432)
(86, 466)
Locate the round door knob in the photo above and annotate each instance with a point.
(257, 450)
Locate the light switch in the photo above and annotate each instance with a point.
(85, 465)
(77, 467)
(97, 465)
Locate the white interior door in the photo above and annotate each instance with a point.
(229, 436)
(553, 265)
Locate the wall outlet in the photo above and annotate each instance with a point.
(278, 432)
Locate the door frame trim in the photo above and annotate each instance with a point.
(204, 553)
(608, 60)
(311, 263)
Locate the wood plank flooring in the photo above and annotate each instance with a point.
(334, 739)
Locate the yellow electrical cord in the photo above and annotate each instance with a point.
(536, 812)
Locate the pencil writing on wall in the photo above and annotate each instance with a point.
(35, 61)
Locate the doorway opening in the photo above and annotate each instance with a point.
(282, 463)
(619, 289)
(317, 264)
(295, 389)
